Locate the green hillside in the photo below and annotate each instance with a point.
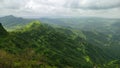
(85, 41)
(39, 45)
(102, 32)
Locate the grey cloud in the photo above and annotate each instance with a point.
(39, 8)
(94, 4)
(90, 4)
(12, 4)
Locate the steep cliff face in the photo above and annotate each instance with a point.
(3, 32)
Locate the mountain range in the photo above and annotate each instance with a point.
(59, 43)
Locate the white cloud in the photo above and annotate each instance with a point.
(94, 4)
(41, 8)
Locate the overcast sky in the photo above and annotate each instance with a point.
(60, 8)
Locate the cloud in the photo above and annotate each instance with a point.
(14, 4)
(51, 8)
(93, 4)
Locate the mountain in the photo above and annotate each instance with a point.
(39, 45)
(59, 43)
(104, 25)
(11, 22)
(102, 32)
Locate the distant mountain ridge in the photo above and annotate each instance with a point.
(12, 22)
(85, 23)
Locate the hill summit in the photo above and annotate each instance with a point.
(3, 32)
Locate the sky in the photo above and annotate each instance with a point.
(60, 8)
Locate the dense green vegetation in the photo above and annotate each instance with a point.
(101, 32)
(3, 32)
(39, 45)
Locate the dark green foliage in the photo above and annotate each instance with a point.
(3, 32)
